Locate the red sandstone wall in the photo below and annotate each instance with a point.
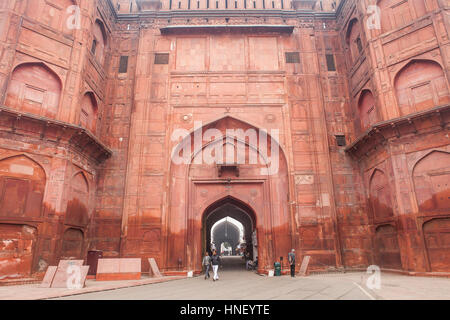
(115, 133)
(49, 176)
(405, 66)
(383, 202)
(259, 87)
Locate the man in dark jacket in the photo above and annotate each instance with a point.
(291, 258)
(215, 261)
(206, 263)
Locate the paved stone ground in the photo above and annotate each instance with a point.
(35, 292)
(238, 284)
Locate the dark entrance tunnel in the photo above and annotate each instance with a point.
(227, 231)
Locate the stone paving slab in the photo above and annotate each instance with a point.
(247, 286)
(239, 284)
(35, 292)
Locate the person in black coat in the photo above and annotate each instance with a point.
(215, 261)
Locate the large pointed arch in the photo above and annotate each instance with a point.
(190, 135)
(195, 185)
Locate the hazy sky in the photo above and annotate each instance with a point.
(233, 221)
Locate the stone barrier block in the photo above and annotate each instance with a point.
(154, 268)
(119, 269)
(304, 266)
(49, 276)
(61, 276)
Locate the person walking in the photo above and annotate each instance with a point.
(206, 263)
(291, 258)
(215, 261)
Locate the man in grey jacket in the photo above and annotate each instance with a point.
(206, 263)
(291, 258)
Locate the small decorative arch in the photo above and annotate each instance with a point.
(34, 88)
(421, 85)
(431, 176)
(30, 158)
(88, 112)
(99, 42)
(437, 240)
(367, 109)
(228, 122)
(151, 240)
(353, 39)
(77, 213)
(387, 247)
(72, 244)
(380, 196)
(22, 187)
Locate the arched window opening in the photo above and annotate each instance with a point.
(366, 108)
(88, 113)
(99, 42)
(353, 40)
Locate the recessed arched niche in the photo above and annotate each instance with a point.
(99, 42)
(437, 240)
(34, 88)
(72, 244)
(353, 39)
(22, 187)
(387, 248)
(380, 196)
(431, 177)
(421, 85)
(366, 109)
(88, 112)
(77, 213)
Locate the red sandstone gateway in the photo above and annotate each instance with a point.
(90, 98)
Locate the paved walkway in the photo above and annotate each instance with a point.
(238, 284)
(34, 292)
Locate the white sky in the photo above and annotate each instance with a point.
(233, 221)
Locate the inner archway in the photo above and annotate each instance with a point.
(219, 215)
(227, 236)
